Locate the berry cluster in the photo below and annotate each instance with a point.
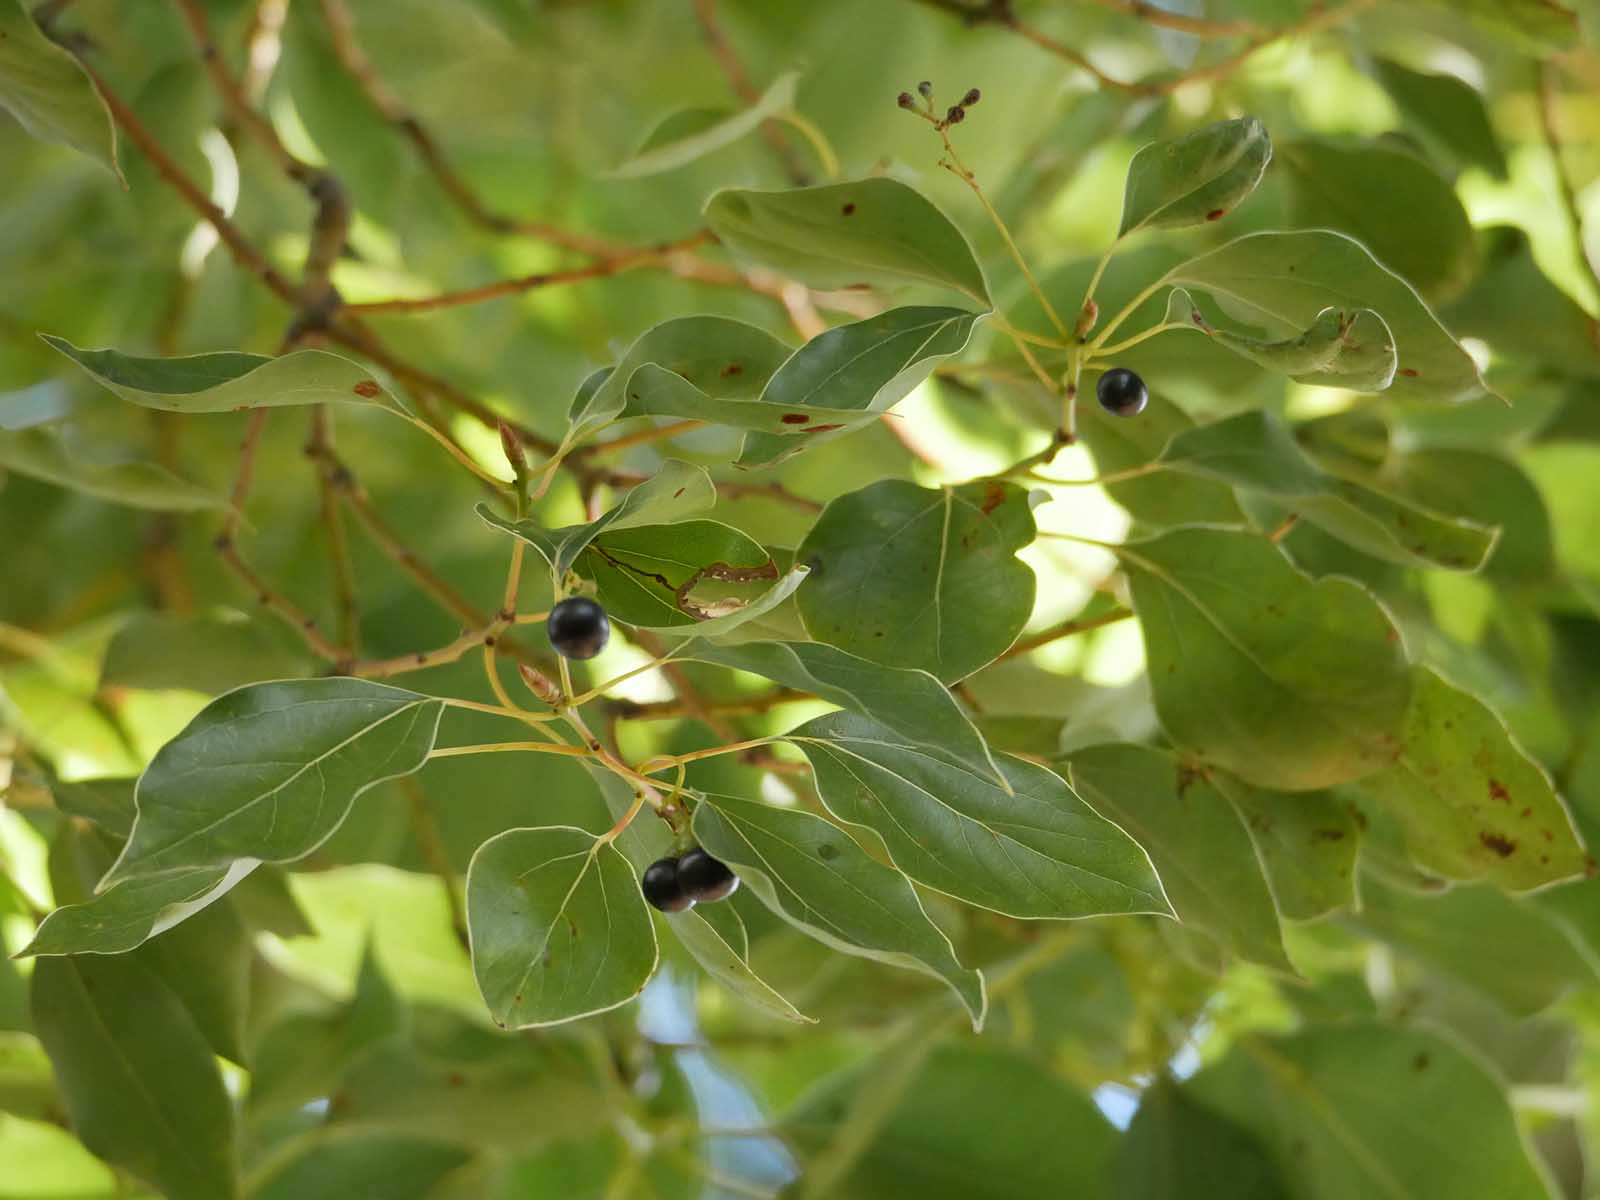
(954, 115)
(674, 884)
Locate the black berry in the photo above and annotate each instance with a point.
(904, 100)
(972, 97)
(578, 627)
(926, 88)
(955, 115)
(663, 887)
(704, 878)
(1122, 392)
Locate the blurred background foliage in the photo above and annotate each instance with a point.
(339, 994)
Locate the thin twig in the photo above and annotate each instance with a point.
(319, 449)
(705, 12)
(1065, 629)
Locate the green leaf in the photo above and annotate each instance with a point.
(1503, 946)
(106, 802)
(1307, 843)
(715, 936)
(873, 231)
(130, 913)
(139, 1082)
(683, 136)
(212, 653)
(1282, 281)
(1257, 451)
(1472, 803)
(724, 617)
(1161, 498)
(916, 578)
(973, 1123)
(677, 490)
(1342, 349)
(269, 771)
(816, 878)
(1195, 838)
(869, 365)
(1484, 488)
(1514, 307)
(1427, 239)
(559, 928)
(1445, 109)
(1176, 1149)
(721, 359)
(334, 1164)
(667, 576)
(1364, 1110)
(1036, 850)
(41, 453)
(913, 704)
(228, 381)
(49, 93)
(1288, 683)
(1195, 178)
(654, 391)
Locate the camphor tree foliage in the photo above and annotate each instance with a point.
(632, 599)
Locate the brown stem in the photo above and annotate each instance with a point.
(320, 450)
(1066, 629)
(705, 12)
(613, 265)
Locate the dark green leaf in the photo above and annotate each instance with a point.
(559, 929)
(1207, 863)
(1287, 683)
(917, 578)
(337, 1165)
(139, 1082)
(1175, 1149)
(815, 877)
(268, 772)
(130, 913)
(1195, 178)
(1365, 1110)
(1036, 850)
(675, 576)
(873, 231)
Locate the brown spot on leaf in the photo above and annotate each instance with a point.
(678, 493)
(1409, 372)
(1498, 842)
(1327, 835)
(1216, 214)
(794, 418)
(732, 369)
(994, 494)
(848, 209)
(824, 428)
(456, 1079)
(1421, 1061)
(1497, 791)
(367, 387)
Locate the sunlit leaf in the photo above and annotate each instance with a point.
(815, 877)
(1195, 178)
(228, 381)
(715, 936)
(873, 231)
(682, 137)
(1288, 683)
(1472, 803)
(559, 929)
(269, 771)
(1035, 851)
(917, 578)
(1352, 350)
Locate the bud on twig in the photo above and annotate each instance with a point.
(956, 115)
(541, 685)
(904, 100)
(926, 88)
(1087, 318)
(972, 97)
(511, 446)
